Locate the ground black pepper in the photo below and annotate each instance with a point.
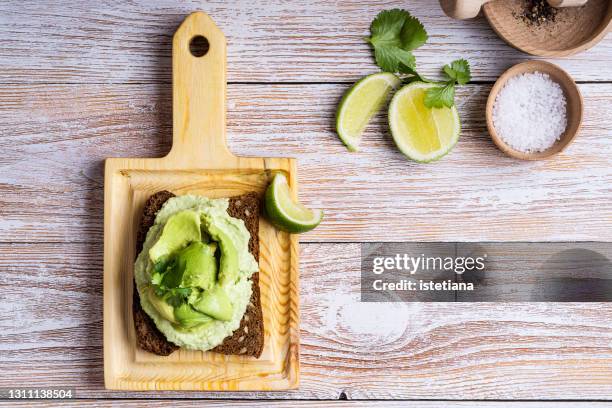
(537, 12)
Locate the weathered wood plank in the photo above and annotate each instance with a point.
(311, 404)
(414, 351)
(284, 41)
(54, 140)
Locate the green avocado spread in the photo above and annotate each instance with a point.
(193, 274)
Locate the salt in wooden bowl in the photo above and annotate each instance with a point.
(574, 108)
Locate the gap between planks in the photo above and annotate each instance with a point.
(368, 196)
(417, 351)
(307, 41)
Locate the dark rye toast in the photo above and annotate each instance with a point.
(248, 339)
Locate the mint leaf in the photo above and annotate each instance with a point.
(440, 96)
(459, 71)
(394, 34)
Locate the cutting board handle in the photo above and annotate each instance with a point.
(198, 94)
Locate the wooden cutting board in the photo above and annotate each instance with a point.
(198, 163)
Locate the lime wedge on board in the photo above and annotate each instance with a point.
(284, 212)
(360, 103)
(421, 133)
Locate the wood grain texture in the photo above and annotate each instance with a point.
(55, 137)
(82, 81)
(314, 404)
(575, 29)
(445, 351)
(198, 163)
(284, 41)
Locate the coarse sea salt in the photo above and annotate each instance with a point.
(529, 113)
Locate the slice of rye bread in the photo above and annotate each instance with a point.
(248, 339)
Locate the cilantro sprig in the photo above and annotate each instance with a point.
(457, 72)
(395, 34)
(175, 296)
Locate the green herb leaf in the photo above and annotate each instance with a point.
(156, 278)
(394, 34)
(174, 301)
(387, 27)
(459, 71)
(161, 266)
(160, 273)
(185, 292)
(414, 75)
(177, 296)
(389, 58)
(413, 34)
(440, 96)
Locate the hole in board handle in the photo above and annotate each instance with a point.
(198, 46)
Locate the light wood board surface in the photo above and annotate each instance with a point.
(85, 81)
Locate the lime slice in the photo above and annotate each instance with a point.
(421, 133)
(360, 103)
(285, 213)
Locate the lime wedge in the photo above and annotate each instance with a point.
(421, 133)
(360, 103)
(285, 213)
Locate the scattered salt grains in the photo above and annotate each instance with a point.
(529, 113)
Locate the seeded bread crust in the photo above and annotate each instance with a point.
(248, 339)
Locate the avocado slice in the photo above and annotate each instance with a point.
(215, 303)
(228, 264)
(180, 229)
(163, 308)
(193, 266)
(186, 317)
(196, 266)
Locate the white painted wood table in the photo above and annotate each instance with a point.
(81, 81)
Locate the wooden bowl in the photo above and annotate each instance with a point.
(575, 29)
(574, 108)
